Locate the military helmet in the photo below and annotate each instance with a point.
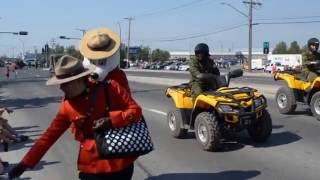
(313, 41)
(201, 48)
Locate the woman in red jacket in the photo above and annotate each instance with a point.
(72, 77)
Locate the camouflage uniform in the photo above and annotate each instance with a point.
(197, 67)
(306, 58)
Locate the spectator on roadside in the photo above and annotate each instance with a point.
(3, 164)
(101, 47)
(7, 133)
(73, 80)
(7, 72)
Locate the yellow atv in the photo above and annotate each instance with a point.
(298, 89)
(215, 113)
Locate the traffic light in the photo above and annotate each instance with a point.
(265, 47)
(265, 50)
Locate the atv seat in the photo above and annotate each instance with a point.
(182, 86)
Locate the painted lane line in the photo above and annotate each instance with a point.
(156, 111)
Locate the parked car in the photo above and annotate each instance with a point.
(173, 66)
(184, 67)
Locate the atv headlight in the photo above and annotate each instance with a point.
(225, 108)
(259, 102)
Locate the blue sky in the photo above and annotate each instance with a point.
(47, 20)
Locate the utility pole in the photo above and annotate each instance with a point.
(251, 4)
(128, 47)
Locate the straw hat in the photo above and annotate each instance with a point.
(68, 69)
(99, 44)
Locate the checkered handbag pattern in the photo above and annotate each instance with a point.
(133, 140)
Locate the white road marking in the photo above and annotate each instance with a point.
(156, 111)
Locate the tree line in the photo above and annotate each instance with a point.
(294, 48)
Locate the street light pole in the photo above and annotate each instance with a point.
(82, 30)
(250, 37)
(119, 30)
(251, 4)
(128, 48)
(68, 38)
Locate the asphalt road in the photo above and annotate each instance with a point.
(291, 153)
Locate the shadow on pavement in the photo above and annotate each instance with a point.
(277, 126)
(146, 90)
(38, 167)
(23, 80)
(224, 175)
(20, 145)
(276, 139)
(30, 103)
(25, 127)
(242, 140)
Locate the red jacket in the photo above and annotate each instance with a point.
(119, 76)
(126, 112)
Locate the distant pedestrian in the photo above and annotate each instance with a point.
(8, 72)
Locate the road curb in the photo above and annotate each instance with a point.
(268, 89)
(245, 74)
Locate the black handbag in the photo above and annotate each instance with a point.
(130, 141)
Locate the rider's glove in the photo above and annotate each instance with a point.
(17, 170)
(205, 76)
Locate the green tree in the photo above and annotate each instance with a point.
(59, 49)
(143, 54)
(72, 51)
(294, 48)
(281, 48)
(160, 55)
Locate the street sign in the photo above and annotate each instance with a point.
(265, 47)
(134, 50)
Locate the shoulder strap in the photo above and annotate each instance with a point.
(93, 101)
(106, 92)
(94, 98)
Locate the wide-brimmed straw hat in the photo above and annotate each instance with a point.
(68, 69)
(99, 44)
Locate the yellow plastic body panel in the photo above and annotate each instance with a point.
(180, 98)
(295, 83)
(183, 100)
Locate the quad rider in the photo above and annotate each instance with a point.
(202, 69)
(311, 60)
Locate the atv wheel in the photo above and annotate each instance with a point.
(174, 119)
(315, 105)
(286, 101)
(261, 130)
(207, 131)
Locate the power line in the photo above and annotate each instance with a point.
(169, 9)
(294, 22)
(202, 35)
(288, 18)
